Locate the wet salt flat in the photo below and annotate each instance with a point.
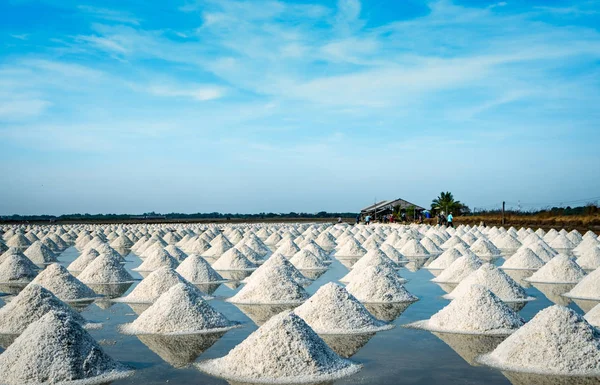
(395, 356)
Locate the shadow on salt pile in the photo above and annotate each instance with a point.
(519, 378)
(208, 288)
(313, 274)
(12, 288)
(110, 290)
(180, 351)
(346, 345)
(470, 346)
(387, 312)
(259, 314)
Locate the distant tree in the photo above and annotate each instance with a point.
(445, 202)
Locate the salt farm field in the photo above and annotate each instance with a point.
(399, 355)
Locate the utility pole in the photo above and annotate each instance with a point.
(503, 205)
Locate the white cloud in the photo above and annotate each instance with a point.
(17, 109)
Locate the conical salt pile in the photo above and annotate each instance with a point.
(332, 310)
(453, 241)
(56, 349)
(29, 306)
(155, 284)
(379, 284)
(279, 262)
(105, 269)
(506, 242)
(283, 350)
(585, 245)
(392, 253)
(219, 245)
(157, 259)
(561, 243)
(16, 268)
(494, 279)
(444, 260)
(560, 269)
(196, 270)
(593, 316)
(556, 341)
(587, 288)
(414, 249)
(542, 250)
(305, 260)
(250, 254)
(233, 259)
(589, 259)
(485, 249)
(524, 259)
(273, 286)
(374, 257)
(351, 248)
(179, 311)
(39, 254)
(288, 248)
(83, 260)
(176, 253)
(478, 311)
(63, 285)
(459, 269)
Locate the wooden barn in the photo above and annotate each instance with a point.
(387, 207)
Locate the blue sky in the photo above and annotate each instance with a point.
(250, 106)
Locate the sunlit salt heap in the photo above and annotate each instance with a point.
(413, 248)
(332, 310)
(65, 286)
(16, 268)
(83, 260)
(478, 311)
(103, 270)
(542, 250)
(445, 259)
(283, 350)
(593, 316)
(306, 260)
(288, 248)
(459, 269)
(494, 279)
(176, 253)
(588, 287)
(589, 259)
(29, 306)
(379, 284)
(279, 262)
(560, 269)
(556, 341)
(154, 285)
(39, 254)
(561, 243)
(523, 259)
(351, 248)
(233, 259)
(179, 311)
(586, 244)
(157, 259)
(484, 248)
(56, 349)
(197, 270)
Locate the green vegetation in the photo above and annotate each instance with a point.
(445, 202)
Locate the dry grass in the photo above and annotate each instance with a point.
(579, 222)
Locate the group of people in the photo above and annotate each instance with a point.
(444, 220)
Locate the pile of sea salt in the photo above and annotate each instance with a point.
(556, 341)
(306, 260)
(484, 248)
(587, 288)
(374, 257)
(176, 253)
(105, 269)
(392, 253)
(287, 248)
(444, 260)
(64, 285)
(332, 310)
(379, 284)
(197, 270)
(233, 259)
(542, 250)
(494, 279)
(30, 305)
(181, 310)
(56, 349)
(272, 286)
(157, 259)
(283, 350)
(39, 254)
(155, 284)
(16, 268)
(560, 269)
(478, 311)
(523, 259)
(83, 260)
(351, 248)
(279, 262)
(459, 269)
(414, 249)
(589, 259)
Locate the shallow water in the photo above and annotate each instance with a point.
(398, 356)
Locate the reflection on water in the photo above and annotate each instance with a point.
(470, 346)
(7, 339)
(112, 290)
(519, 276)
(259, 314)
(208, 288)
(234, 275)
(12, 288)
(517, 378)
(415, 264)
(348, 262)
(585, 304)
(304, 383)
(346, 345)
(554, 291)
(313, 274)
(447, 287)
(139, 308)
(180, 351)
(387, 311)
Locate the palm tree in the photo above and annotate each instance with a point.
(445, 201)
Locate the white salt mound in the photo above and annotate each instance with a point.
(39, 254)
(593, 316)
(233, 259)
(105, 269)
(16, 268)
(65, 286)
(197, 270)
(332, 310)
(306, 260)
(154, 285)
(459, 269)
(379, 284)
(351, 248)
(279, 262)
(30, 305)
(83, 260)
(56, 349)
(478, 311)
(271, 286)
(494, 279)
(445, 259)
(524, 259)
(560, 269)
(587, 288)
(283, 350)
(157, 259)
(589, 259)
(179, 311)
(556, 341)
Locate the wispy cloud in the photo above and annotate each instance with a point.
(109, 14)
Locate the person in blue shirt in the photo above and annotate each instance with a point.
(449, 219)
